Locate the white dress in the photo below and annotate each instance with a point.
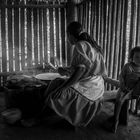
(79, 103)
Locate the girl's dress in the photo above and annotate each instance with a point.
(129, 89)
(79, 103)
(130, 78)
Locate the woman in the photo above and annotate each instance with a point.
(79, 98)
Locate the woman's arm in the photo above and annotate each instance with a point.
(76, 76)
(65, 71)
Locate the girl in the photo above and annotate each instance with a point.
(129, 86)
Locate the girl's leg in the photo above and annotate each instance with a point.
(123, 119)
(136, 112)
(117, 110)
(124, 114)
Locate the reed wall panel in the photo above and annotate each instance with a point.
(138, 24)
(10, 40)
(45, 35)
(115, 25)
(22, 37)
(63, 35)
(31, 35)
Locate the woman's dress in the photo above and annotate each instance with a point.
(79, 103)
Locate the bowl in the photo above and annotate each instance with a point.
(11, 116)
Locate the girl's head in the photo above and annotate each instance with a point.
(135, 55)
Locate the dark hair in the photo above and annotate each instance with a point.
(75, 29)
(132, 52)
(86, 37)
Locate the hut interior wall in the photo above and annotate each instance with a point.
(115, 25)
(31, 35)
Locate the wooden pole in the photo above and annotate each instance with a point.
(71, 11)
(71, 15)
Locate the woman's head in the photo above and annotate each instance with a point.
(73, 30)
(75, 33)
(135, 55)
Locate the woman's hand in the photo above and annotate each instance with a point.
(62, 71)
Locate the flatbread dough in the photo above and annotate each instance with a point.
(49, 76)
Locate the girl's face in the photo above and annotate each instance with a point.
(136, 58)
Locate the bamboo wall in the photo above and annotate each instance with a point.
(34, 33)
(31, 35)
(115, 25)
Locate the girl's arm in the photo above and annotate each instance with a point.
(122, 78)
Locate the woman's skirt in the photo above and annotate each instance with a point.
(72, 105)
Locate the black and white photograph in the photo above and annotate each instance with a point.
(69, 69)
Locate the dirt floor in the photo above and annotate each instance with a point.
(56, 129)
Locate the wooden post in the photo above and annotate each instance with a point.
(71, 15)
(71, 11)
